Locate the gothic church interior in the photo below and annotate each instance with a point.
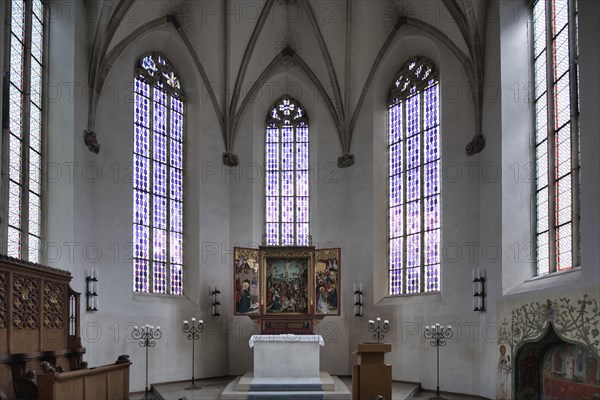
(433, 142)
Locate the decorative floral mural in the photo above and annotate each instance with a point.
(575, 321)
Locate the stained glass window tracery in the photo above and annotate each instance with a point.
(556, 134)
(287, 175)
(23, 226)
(414, 214)
(158, 178)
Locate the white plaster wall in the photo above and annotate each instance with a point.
(412, 357)
(490, 180)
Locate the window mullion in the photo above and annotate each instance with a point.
(295, 180)
(574, 86)
(4, 188)
(25, 142)
(551, 138)
(403, 135)
(280, 184)
(151, 193)
(167, 194)
(422, 187)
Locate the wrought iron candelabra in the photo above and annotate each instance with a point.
(147, 337)
(193, 333)
(439, 336)
(379, 331)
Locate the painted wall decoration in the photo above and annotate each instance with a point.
(327, 278)
(246, 281)
(504, 371)
(574, 319)
(570, 371)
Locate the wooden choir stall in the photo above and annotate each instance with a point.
(40, 346)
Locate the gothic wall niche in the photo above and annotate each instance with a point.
(552, 369)
(532, 333)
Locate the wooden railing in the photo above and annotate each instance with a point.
(108, 382)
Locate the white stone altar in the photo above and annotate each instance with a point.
(286, 355)
(286, 367)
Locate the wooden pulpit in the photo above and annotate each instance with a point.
(371, 377)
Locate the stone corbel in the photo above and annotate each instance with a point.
(231, 160)
(476, 145)
(345, 161)
(91, 141)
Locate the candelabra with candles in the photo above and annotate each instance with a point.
(478, 290)
(379, 331)
(215, 292)
(147, 337)
(193, 333)
(91, 291)
(438, 335)
(358, 300)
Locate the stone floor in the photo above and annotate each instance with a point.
(212, 388)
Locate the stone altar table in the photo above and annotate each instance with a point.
(286, 355)
(286, 367)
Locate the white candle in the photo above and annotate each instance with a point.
(449, 327)
(201, 322)
(158, 328)
(371, 321)
(135, 328)
(151, 326)
(378, 319)
(193, 319)
(147, 326)
(437, 324)
(185, 322)
(386, 321)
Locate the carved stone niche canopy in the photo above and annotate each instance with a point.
(39, 323)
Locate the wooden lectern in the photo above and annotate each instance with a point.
(371, 377)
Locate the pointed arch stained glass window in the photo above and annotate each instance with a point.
(158, 178)
(287, 186)
(414, 213)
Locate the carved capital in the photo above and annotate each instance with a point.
(345, 161)
(91, 141)
(231, 160)
(476, 145)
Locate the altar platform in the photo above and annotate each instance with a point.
(212, 388)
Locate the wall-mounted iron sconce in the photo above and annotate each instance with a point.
(478, 290)
(216, 304)
(358, 300)
(91, 290)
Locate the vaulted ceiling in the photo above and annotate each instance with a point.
(241, 44)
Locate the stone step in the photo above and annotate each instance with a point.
(310, 395)
(287, 387)
(323, 383)
(239, 389)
